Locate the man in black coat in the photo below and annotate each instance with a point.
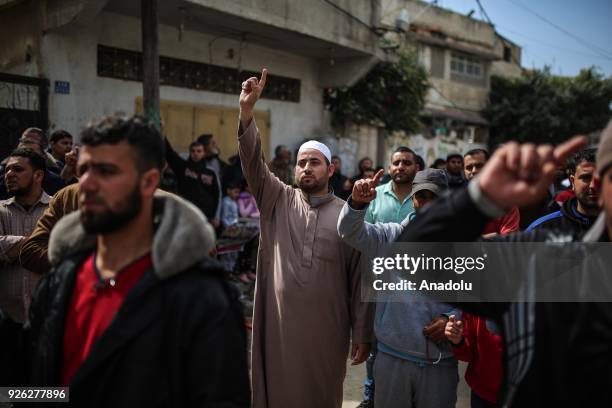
(196, 182)
(337, 180)
(134, 313)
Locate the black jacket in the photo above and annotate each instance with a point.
(570, 361)
(196, 183)
(336, 182)
(455, 181)
(567, 219)
(179, 338)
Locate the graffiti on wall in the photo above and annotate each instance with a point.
(430, 148)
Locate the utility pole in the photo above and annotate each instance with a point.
(150, 60)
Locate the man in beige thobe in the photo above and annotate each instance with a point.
(308, 292)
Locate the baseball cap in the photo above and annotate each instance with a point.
(433, 180)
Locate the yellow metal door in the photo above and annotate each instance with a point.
(228, 135)
(262, 119)
(184, 122)
(178, 126)
(207, 121)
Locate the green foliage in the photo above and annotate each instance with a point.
(541, 108)
(391, 95)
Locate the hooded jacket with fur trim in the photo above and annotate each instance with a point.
(179, 337)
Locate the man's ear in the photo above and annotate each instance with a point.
(39, 175)
(149, 181)
(572, 178)
(330, 169)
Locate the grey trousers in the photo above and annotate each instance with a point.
(405, 384)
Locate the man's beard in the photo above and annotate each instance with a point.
(20, 192)
(111, 221)
(317, 186)
(587, 203)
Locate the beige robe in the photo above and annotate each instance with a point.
(307, 296)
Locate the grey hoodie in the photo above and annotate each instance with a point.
(398, 326)
(182, 237)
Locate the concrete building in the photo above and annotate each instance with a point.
(65, 62)
(460, 53)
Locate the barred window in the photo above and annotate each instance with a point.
(127, 65)
(464, 65)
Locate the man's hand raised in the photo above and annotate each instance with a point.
(364, 190)
(519, 175)
(252, 89)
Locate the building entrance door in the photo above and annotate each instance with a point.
(184, 122)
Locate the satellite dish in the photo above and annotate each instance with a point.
(402, 22)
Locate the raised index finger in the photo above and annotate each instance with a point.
(264, 76)
(564, 150)
(378, 176)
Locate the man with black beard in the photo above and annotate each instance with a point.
(134, 312)
(308, 291)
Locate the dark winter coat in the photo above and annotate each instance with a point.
(555, 354)
(196, 183)
(179, 338)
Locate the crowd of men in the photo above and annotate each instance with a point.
(110, 283)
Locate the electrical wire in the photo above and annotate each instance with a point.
(483, 12)
(347, 13)
(444, 97)
(601, 51)
(546, 44)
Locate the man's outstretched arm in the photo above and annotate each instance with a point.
(367, 238)
(264, 185)
(175, 161)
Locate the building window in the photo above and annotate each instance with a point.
(468, 66)
(124, 64)
(507, 54)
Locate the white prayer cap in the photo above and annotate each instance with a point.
(313, 144)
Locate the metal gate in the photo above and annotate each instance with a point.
(23, 104)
